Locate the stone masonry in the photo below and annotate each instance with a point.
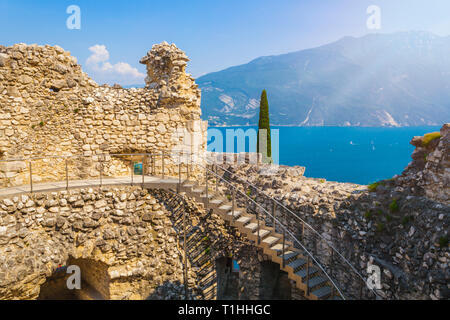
(50, 107)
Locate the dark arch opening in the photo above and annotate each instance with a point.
(227, 279)
(274, 283)
(94, 282)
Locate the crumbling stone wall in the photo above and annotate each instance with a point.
(124, 239)
(49, 106)
(400, 225)
(429, 172)
(123, 228)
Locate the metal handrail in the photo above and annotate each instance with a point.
(165, 152)
(302, 221)
(267, 213)
(282, 226)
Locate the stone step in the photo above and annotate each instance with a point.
(322, 293)
(317, 281)
(252, 226)
(297, 264)
(216, 202)
(244, 220)
(225, 207)
(237, 214)
(302, 272)
(262, 233)
(270, 240)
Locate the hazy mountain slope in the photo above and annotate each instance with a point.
(396, 79)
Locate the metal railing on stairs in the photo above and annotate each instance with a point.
(275, 203)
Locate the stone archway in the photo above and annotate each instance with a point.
(274, 283)
(227, 279)
(95, 282)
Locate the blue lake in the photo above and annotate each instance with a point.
(345, 154)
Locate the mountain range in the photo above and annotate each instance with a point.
(400, 79)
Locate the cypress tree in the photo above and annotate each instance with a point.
(264, 123)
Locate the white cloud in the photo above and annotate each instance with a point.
(121, 71)
(99, 54)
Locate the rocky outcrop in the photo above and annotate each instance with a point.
(400, 225)
(429, 171)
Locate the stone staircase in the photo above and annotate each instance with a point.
(307, 276)
(198, 254)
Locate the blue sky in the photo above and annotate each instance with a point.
(215, 34)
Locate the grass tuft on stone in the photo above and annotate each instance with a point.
(429, 137)
(443, 241)
(373, 187)
(394, 206)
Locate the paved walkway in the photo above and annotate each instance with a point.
(150, 182)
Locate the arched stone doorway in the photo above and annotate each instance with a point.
(95, 282)
(274, 283)
(227, 279)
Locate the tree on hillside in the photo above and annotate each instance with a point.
(264, 124)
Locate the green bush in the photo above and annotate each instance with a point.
(406, 220)
(394, 206)
(380, 227)
(368, 215)
(373, 187)
(443, 241)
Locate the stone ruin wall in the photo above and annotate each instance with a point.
(127, 243)
(50, 107)
(430, 168)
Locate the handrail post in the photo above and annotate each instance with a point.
(132, 170)
(303, 231)
(206, 182)
(31, 178)
(67, 175)
(144, 160)
(101, 171)
(307, 276)
(360, 290)
(217, 178)
(188, 162)
(163, 171)
(284, 246)
(274, 205)
(257, 220)
(185, 258)
(152, 156)
(179, 177)
(233, 202)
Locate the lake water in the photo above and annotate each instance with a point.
(345, 154)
